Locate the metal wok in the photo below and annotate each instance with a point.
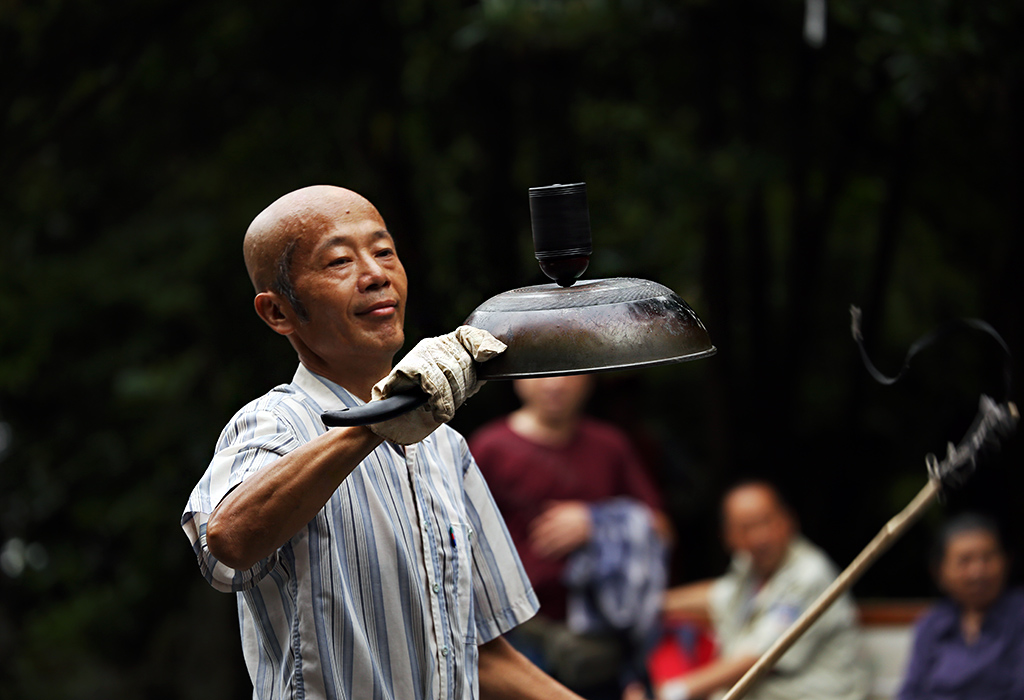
(569, 327)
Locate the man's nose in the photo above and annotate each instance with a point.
(372, 275)
(976, 570)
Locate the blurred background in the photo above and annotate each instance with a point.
(770, 176)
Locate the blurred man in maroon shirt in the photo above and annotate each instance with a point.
(549, 466)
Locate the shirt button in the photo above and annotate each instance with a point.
(437, 587)
(444, 651)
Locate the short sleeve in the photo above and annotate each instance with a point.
(502, 592)
(251, 441)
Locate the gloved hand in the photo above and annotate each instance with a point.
(443, 368)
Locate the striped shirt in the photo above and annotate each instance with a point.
(390, 588)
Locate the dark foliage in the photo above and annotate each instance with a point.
(770, 183)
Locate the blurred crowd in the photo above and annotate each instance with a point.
(593, 533)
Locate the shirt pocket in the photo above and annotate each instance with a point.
(461, 542)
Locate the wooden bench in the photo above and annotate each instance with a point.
(888, 631)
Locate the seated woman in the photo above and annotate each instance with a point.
(971, 644)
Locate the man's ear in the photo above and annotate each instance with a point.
(275, 312)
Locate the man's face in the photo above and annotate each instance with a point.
(353, 287)
(973, 570)
(756, 524)
(555, 398)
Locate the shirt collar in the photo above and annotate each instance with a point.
(741, 564)
(327, 394)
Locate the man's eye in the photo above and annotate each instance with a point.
(385, 253)
(340, 261)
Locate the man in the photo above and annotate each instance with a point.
(363, 568)
(775, 575)
(570, 487)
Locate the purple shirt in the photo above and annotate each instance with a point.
(944, 667)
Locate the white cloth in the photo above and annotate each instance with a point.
(826, 662)
(674, 690)
(443, 368)
(388, 590)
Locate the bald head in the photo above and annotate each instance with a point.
(278, 230)
(328, 278)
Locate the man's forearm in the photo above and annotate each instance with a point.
(719, 675)
(689, 599)
(505, 674)
(662, 525)
(269, 507)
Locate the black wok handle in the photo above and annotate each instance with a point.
(375, 411)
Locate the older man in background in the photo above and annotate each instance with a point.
(774, 576)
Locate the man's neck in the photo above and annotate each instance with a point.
(358, 383)
(545, 430)
(763, 577)
(970, 624)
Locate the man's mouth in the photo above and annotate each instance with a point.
(379, 309)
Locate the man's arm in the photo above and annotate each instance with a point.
(918, 666)
(719, 675)
(565, 526)
(505, 674)
(268, 508)
(562, 527)
(688, 600)
(662, 525)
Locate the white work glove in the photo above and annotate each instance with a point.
(443, 368)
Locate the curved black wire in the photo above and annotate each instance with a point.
(993, 421)
(925, 341)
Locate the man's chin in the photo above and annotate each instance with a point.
(767, 567)
(982, 597)
(380, 344)
(396, 341)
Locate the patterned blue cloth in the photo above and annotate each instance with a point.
(617, 580)
(389, 589)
